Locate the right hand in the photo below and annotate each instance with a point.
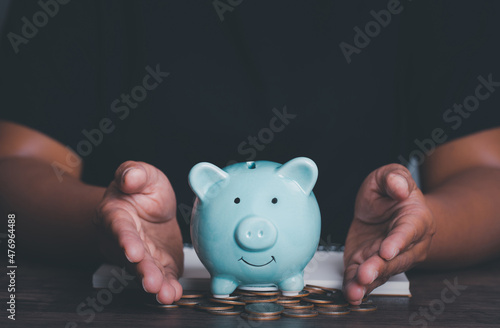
(138, 221)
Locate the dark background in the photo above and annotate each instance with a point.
(227, 76)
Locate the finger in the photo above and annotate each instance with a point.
(166, 295)
(150, 273)
(178, 288)
(135, 177)
(365, 280)
(171, 290)
(352, 262)
(403, 234)
(395, 181)
(370, 270)
(381, 191)
(122, 227)
(353, 291)
(376, 271)
(151, 191)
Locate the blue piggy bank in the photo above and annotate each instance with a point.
(255, 223)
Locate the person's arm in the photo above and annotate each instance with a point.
(461, 183)
(66, 220)
(455, 223)
(54, 216)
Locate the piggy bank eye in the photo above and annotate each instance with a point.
(274, 200)
(237, 200)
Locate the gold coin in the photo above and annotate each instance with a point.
(318, 298)
(249, 316)
(333, 311)
(299, 306)
(297, 313)
(192, 294)
(189, 301)
(335, 304)
(287, 300)
(266, 293)
(244, 293)
(262, 288)
(315, 290)
(226, 312)
(162, 306)
(258, 299)
(227, 301)
(267, 309)
(207, 305)
(363, 307)
(230, 297)
(302, 293)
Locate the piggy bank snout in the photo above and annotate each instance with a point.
(256, 234)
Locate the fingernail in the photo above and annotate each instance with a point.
(399, 182)
(394, 254)
(143, 285)
(158, 299)
(361, 300)
(375, 275)
(125, 173)
(128, 259)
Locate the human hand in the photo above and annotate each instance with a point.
(138, 221)
(391, 231)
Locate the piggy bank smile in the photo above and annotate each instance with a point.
(255, 223)
(257, 265)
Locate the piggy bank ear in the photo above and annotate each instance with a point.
(302, 170)
(203, 176)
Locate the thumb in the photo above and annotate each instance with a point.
(381, 190)
(133, 178)
(395, 181)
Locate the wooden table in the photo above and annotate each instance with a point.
(49, 297)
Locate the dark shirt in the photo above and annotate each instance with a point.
(273, 80)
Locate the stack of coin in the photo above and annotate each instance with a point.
(263, 311)
(271, 304)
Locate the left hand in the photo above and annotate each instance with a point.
(391, 231)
